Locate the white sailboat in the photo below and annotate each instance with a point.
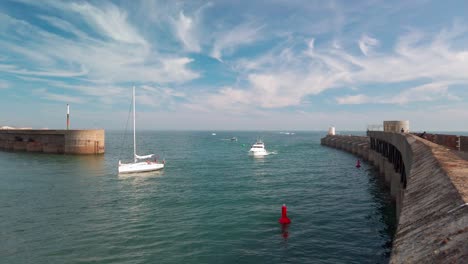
(140, 163)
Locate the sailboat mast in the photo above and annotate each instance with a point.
(134, 137)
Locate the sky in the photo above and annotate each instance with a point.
(234, 65)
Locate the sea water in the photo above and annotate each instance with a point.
(212, 203)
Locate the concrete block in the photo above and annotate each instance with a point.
(382, 165)
(388, 171)
(53, 148)
(395, 184)
(371, 156)
(34, 147)
(9, 145)
(19, 146)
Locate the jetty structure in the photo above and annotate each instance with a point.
(58, 141)
(53, 141)
(427, 175)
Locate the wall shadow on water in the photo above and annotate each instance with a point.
(95, 163)
(385, 209)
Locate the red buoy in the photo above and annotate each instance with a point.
(358, 164)
(284, 216)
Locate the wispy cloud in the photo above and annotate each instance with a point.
(4, 84)
(163, 98)
(226, 41)
(366, 43)
(49, 73)
(110, 21)
(185, 30)
(64, 26)
(423, 93)
(354, 99)
(44, 94)
(288, 76)
(103, 93)
(117, 52)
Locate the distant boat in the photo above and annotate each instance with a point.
(258, 149)
(213, 134)
(139, 166)
(233, 139)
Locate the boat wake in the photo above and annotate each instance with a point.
(268, 153)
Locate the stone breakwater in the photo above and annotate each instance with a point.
(53, 141)
(429, 184)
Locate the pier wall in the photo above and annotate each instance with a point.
(53, 141)
(429, 185)
(451, 141)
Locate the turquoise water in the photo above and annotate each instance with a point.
(211, 204)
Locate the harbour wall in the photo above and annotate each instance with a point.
(428, 183)
(451, 141)
(53, 141)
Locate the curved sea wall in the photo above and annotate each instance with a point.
(429, 183)
(53, 141)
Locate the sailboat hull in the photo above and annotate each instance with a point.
(140, 167)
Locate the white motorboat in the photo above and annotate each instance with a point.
(233, 139)
(140, 163)
(258, 149)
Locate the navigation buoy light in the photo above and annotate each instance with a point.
(358, 164)
(284, 216)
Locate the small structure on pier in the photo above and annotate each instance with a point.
(396, 126)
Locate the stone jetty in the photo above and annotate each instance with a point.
(429, 183)
(53, 141)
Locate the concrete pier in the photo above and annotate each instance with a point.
(429, 183)
(53, 141)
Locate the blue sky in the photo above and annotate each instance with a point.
(247, 65)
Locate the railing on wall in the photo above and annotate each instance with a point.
(375, 127)
(454, 142)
